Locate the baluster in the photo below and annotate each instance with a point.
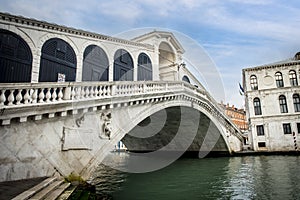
(60, 94)
(82, 92)
(26, 97)
(92, 92)
(104, 91)
(54, 94)
(96, 92)
(73, 92)
(19, 97)
(78, 92)
(108, 90)
(41, 96)
(101, 91)
(34, 96)
(2, 97)
(11, 98)
(48, 95)
(87, 91)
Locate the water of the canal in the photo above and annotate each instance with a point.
(248, 177)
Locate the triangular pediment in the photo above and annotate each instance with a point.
(160, 36)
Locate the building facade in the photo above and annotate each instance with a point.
(237, 115)
(37, 51)
(272, 95)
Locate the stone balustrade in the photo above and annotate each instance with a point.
(26, 95)
(20, 101)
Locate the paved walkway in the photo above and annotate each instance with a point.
(10, 189)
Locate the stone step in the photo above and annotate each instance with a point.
(57, 191)
(32, 191)
(47, 190)
(67, 193)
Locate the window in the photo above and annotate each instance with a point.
(253, 82)
(296, 100)
(279, 79)
(261, 144)
(260, 130)
(293, 78)
(186, 79)
(282, 104)
(257, 106)
(298, 127)
(287, 128)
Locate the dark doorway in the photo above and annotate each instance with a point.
(58, 60)
(123, 66)
(95, 64)
(15, 58)
(144, 68)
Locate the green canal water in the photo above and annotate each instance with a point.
(249, 177)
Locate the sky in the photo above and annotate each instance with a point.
(235, 34)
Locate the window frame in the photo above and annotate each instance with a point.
(287, 129)
(279, 79)
(293, 78)
(253, 82)
(260, 130)
(283, 104)
(296, 102)
(257, 106)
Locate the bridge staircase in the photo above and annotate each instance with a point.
(51, 188)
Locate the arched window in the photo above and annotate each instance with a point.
(283, 104)
(279, 79)
(296, 100)
(95, 64)
(257, 106)
(15, 58)
(123, 66)
(144, 68)
(253, 82)
(293, 78)
(58, 61)
(186, 79)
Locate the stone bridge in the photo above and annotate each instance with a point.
(64, 128)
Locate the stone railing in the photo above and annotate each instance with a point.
(41, 93)
(39, 99)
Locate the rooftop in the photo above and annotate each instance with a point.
(287, 62)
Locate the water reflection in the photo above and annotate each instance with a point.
(251, 177)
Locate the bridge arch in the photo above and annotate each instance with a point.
(127, 119)
(135, 119)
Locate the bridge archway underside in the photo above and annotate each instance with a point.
(70, 127)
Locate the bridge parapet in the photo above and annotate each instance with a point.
(18, 102)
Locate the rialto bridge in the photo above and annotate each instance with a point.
(67, 96)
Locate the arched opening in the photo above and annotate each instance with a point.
(15, 58)
(167, 62)
(186, 79)
(95, 64)
(123, 66)
(152, 134)
(144, 68)
(58, 61)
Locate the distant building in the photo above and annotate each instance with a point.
(238, 116)
(272, 95)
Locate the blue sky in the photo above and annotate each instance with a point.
(236, 34)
